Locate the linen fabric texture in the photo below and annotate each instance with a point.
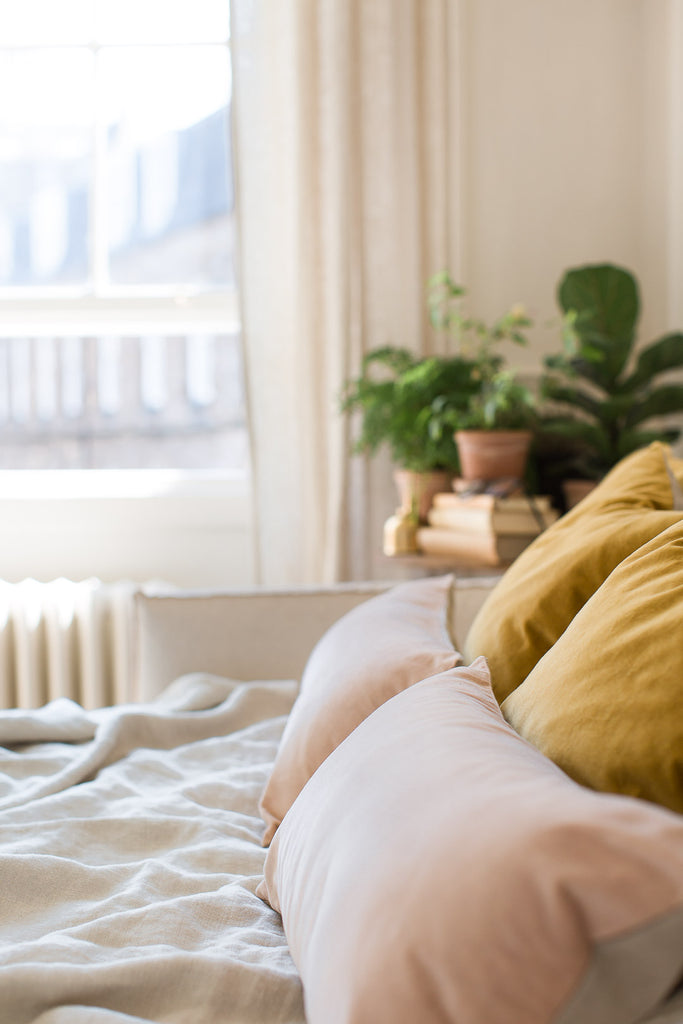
(373, 652)
(130, 851)
(472, 879)
(605, 702)
(178, 633)
(545, 587)
(323, 198)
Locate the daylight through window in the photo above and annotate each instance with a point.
(119, 339)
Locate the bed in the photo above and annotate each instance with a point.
(130, 857)
(388, 829)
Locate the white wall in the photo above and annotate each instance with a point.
(136, 525)
(570, 149)
(569, 132)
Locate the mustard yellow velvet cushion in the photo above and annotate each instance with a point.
(542, 591)
(606, 703)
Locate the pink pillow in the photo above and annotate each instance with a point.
(370, 654)
(437, 868)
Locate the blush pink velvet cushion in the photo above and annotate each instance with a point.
(372, 653)
(438, 869)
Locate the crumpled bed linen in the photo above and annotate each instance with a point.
(130, 851)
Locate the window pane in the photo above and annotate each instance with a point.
(45, 164)
(169, 191)
(161, 21)
(46, 21)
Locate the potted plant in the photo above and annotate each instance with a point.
(603, 394)
(494, 432)
(399, 397)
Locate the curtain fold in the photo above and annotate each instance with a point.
(343, 127)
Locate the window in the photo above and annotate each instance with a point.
(119, 335)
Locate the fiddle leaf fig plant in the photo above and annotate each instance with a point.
(604, 393)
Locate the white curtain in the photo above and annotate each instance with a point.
(345, 130)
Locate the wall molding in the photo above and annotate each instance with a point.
(675, 183)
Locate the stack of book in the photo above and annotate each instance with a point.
(484, 529)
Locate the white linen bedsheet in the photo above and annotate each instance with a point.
(129, 856)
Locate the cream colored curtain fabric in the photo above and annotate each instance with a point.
(343, 117)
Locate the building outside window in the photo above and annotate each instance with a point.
(119, 334)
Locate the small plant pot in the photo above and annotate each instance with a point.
(493, 454)
(416, 490)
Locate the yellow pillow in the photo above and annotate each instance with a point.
(606, 703)
(542, 591)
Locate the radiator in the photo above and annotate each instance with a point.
(65, 639)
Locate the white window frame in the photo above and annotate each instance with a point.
(111, 529)
(43, 314)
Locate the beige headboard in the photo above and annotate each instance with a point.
(259, 634)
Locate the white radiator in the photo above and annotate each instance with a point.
(65, 639)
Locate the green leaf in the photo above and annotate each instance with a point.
(397, 359)
(587, 434)
(605, 298)
(409, 407)
(659, 402)
(560, 363)
(572, 396)
(664, 354)
(631, 440)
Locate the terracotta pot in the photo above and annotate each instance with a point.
(418, 489)
(493, 454)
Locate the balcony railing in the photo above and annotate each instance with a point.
(121, 402)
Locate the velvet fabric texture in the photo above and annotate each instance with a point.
(606, 703)
(552, 579)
